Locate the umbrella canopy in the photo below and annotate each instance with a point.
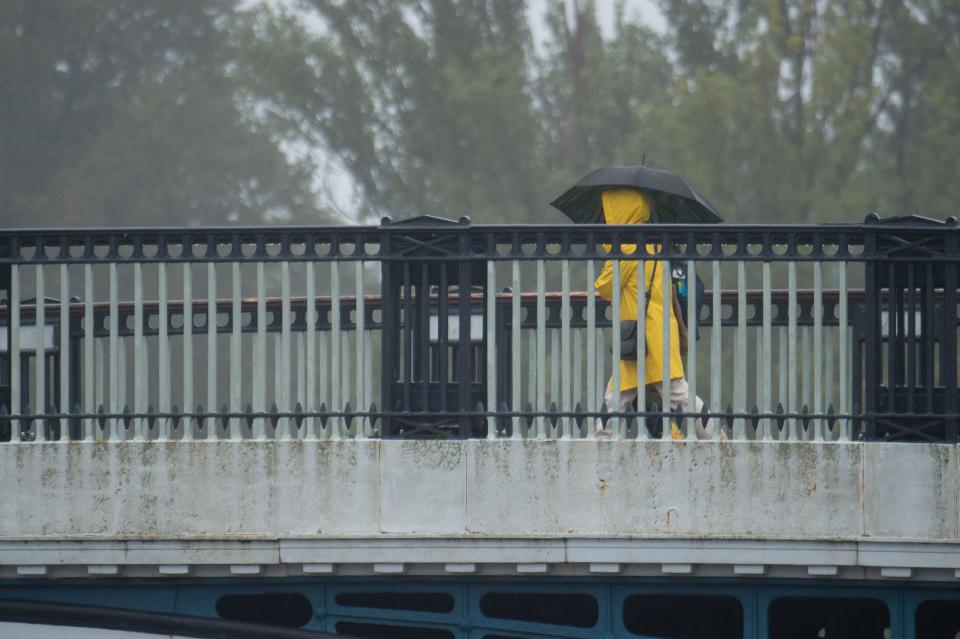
(675, 200)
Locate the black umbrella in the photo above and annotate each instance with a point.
(675, 200)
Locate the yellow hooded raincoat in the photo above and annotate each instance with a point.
(629, 206)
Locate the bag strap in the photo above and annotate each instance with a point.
(646, 301)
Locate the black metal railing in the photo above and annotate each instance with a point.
(806, 332)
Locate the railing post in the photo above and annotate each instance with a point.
(948, 348)
(843, 347)
(6, 374)
(389, 333)
(420, 255)
(871, 333)
(516, 350)
(490, 336)
(464, 345)
(904, 255)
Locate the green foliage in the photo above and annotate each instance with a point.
(793, 110)
(193, 111)
(425, 104)
(125, 113)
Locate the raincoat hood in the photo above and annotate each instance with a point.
(625, 206)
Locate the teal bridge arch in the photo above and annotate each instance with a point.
(498, 608)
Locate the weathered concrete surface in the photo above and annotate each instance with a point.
(910, 491)
(755, 490)
(189, 489)
(423, 487)
(477, 489)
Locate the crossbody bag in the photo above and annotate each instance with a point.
(628, 328)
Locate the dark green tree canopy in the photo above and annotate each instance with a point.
(131, 113)
(789, 110)
(202, 112)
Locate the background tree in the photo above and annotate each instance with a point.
(124, 112)
(425, 103)
(595, 94)
(193, 111)
(800, 110)
(805, 110)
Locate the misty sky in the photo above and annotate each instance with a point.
(643, 11)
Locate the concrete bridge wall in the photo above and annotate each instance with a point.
(478, 489)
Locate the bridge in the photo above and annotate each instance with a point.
(392, 429)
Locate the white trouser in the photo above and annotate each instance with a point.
(679, 400)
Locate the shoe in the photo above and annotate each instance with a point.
(708, 431)
(603, 434)
(675, 432)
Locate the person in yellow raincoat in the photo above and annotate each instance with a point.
(630, 206)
